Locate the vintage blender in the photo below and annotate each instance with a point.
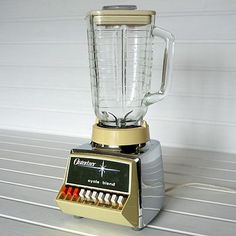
(118, 177)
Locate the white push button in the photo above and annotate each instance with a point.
(107, 198)
(88, 195)
(94, 196)
(114, 200)
(101, 197)
(81, 194)
(120, 201)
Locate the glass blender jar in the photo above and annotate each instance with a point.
(120, 41)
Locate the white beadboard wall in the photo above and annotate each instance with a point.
(44, 74)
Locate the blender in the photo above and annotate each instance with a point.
(118, 176)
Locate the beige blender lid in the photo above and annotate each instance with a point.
(122, 15)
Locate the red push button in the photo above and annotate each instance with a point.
(75, 194)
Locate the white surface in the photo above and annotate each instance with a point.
(32, 169)
(44, 75)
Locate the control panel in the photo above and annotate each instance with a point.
(101, 186)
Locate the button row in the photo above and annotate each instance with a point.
(81, 195)
(102, 198)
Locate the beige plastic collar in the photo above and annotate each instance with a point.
(120, 137)
(119, 17)
(122, 13)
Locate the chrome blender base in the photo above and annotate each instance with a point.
(147, 184)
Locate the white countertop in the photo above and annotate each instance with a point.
(32, 169)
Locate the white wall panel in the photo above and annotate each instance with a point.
(70, 55)
(206, 83)
(169, 132)
(194, 135)
(186, 107)
(48, 99)
(202, 83)
(187, 56)
(58, 30)
(44, 75)
(47, 8)
(73, 29)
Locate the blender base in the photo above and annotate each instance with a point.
(145, 185)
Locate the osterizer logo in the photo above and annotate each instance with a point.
(102, 169)
(78, 162)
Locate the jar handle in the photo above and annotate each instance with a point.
(151, 98)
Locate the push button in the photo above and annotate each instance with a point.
(76, 191)
(75, 194)
(120, 201)
(94, 196)
(63, 192)
(114, 200)
(101, 197)
(69, 193)
(88, 195)
(82, 193)
(70, 190)
(107, 198)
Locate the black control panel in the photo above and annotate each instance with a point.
(98, 173)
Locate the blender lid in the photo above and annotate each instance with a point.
(121, 15)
